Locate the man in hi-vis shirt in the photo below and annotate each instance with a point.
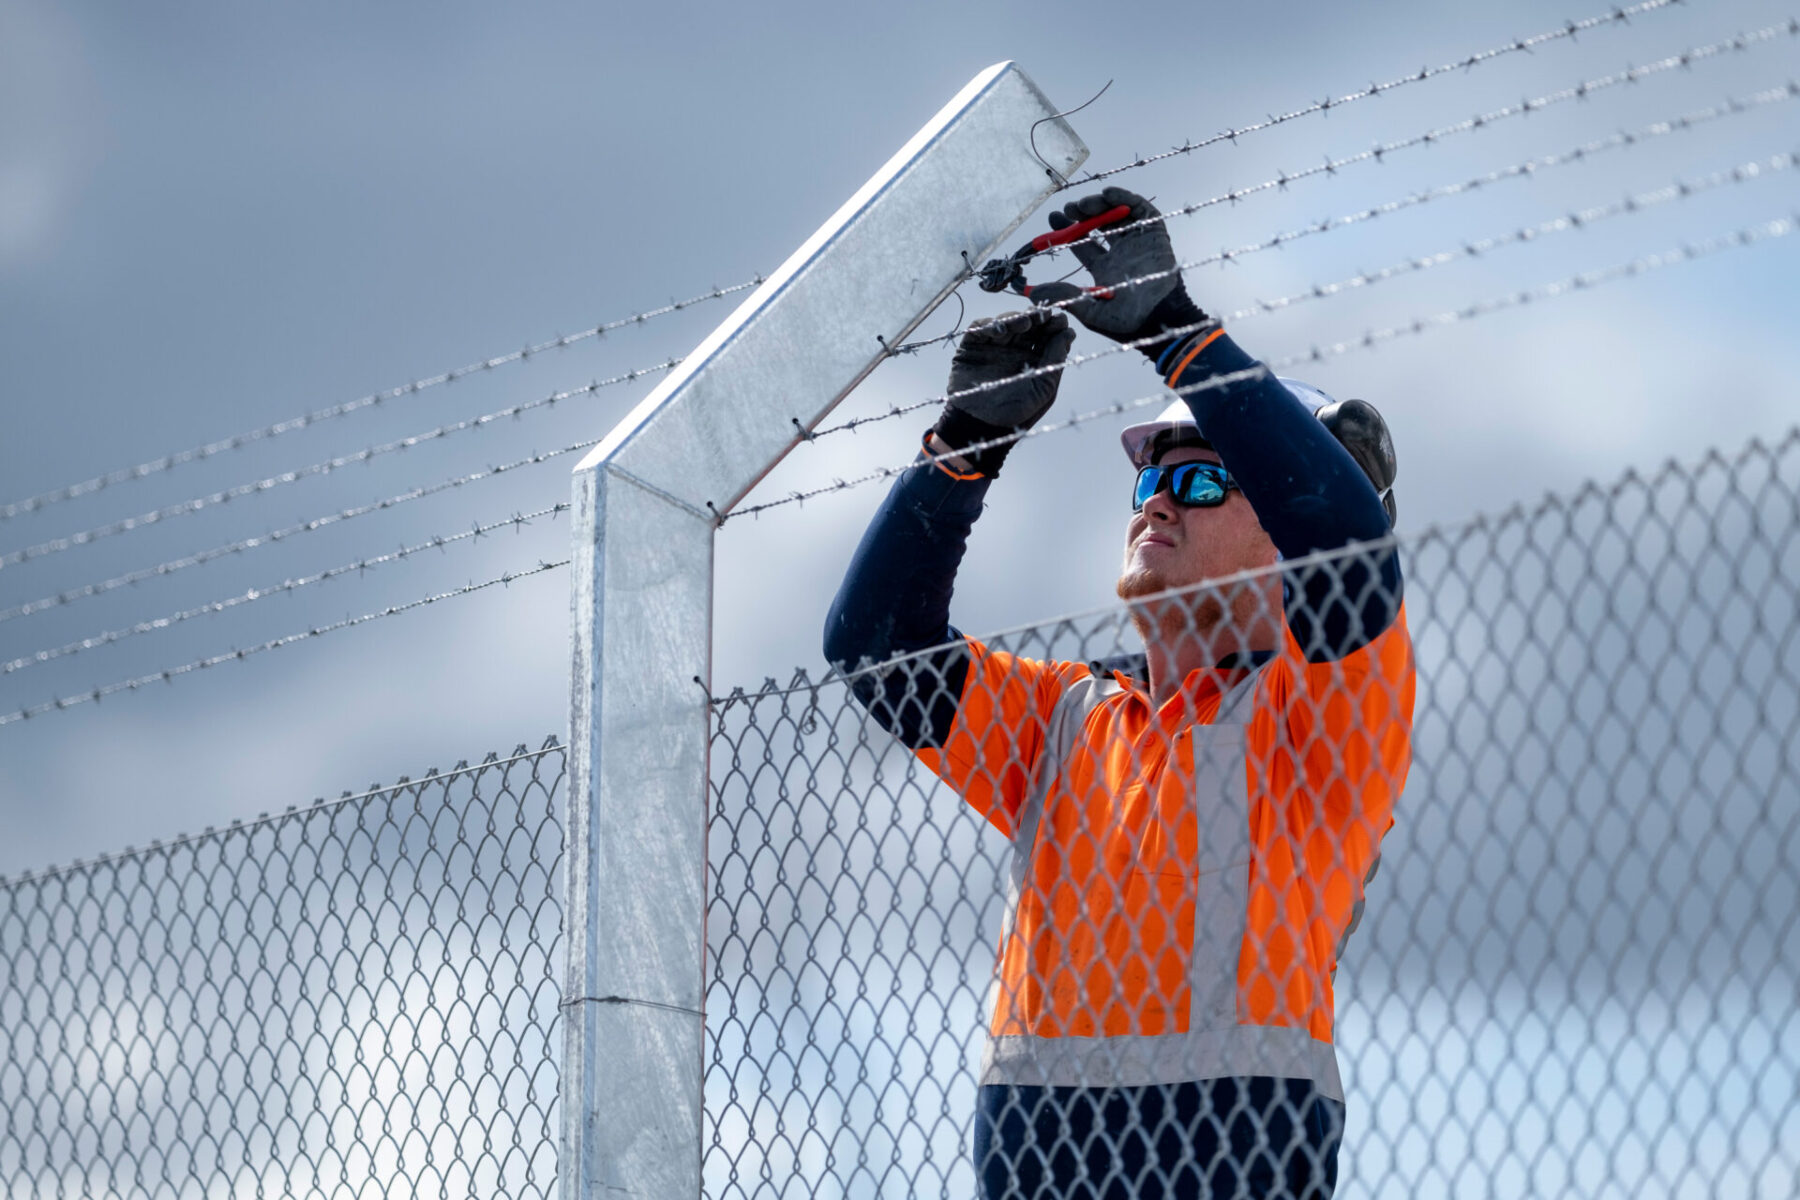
(1193, 828)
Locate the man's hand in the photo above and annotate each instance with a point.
(1135, 310)
(993, 351)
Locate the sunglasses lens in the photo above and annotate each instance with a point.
(1148, 481)
(1198, 484)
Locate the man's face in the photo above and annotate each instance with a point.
(1168, 545)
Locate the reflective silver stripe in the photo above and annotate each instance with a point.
(1136, 1060)
(1222, 887)
(1060, 733)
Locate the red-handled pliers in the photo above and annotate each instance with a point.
(1002, 273)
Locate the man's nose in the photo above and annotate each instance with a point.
(1161, 507)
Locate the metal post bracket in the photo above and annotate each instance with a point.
(646, 504)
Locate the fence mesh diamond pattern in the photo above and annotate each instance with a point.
(1576, 975)
(357, 998)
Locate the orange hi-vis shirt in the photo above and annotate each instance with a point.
(1184, 877)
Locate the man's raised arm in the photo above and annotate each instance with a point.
(895, 598)
(1309, 492)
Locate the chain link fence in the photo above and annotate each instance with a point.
(357, 998)
(1575, 976)
(1577, 972)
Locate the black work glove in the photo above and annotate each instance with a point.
(1137, 310)
(996, 349)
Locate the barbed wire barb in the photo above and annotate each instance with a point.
(167, 462)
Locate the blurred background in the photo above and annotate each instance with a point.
(214, 218)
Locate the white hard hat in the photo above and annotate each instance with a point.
(1140, 441)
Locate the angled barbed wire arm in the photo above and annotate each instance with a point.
(648, 501)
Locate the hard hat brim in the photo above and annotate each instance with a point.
(1140, 441)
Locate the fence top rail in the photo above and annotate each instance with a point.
(433, 777)
(1520, 513)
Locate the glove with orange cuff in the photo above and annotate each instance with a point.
(993, 352)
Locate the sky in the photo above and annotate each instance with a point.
(214, 217)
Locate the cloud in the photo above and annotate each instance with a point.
(47, 130)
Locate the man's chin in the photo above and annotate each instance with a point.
(1140, 581)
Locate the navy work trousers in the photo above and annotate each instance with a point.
(1222, 1139)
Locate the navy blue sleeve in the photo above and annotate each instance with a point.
(895, 600)
(1308, 493)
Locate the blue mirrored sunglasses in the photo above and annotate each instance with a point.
(1191, 484)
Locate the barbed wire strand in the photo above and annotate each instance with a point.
(242, 545)
(1743, 237)
(1729, 107)
(1740, 43)
(31, 504)
(260, 486)
(1379, 152)
(1569, 29)
(1564, 223)
(1577, 220)
(1330, 166)
(1624, 139)
(285, 588)
(1769, 230)
(95, 695)
(1568, 223)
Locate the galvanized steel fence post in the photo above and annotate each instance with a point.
(647, 501)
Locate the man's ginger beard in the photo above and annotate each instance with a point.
(1189, 614)
(1198, 613)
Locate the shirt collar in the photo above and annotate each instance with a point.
(1198, 680)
